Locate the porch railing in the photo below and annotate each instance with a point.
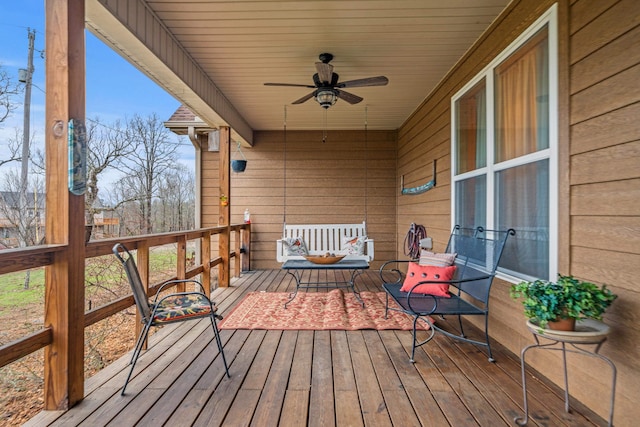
(15, 260)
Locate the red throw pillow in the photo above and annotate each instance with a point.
(420, 273)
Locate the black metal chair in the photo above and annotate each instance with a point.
(171, 308)
(478, 254)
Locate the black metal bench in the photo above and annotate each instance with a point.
(478, 254)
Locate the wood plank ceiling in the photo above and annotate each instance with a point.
(242, 44)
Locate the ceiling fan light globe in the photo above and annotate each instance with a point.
(326, 98)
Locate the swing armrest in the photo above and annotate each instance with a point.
(280, 251)
(369, 251)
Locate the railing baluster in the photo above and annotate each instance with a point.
(142, 259)
(236, 238)
(181, 262)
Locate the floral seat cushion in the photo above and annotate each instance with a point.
(179, 307)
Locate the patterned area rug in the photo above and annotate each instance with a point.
(335, 310)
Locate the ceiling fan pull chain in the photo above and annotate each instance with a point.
(324, 126)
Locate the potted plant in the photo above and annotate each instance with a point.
(239, 165)
(223, 200)
(563, 301)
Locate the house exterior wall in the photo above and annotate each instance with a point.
(599, 181)
(325, 184)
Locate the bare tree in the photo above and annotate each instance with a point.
(13, 149)
(7, 105)
(23, 221)
(7, 90)
(174, 209)
(106, 147)
(154, 154)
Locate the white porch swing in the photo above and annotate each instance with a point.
(319, 239)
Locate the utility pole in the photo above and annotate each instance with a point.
(26, 219)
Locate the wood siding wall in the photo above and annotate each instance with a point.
(604, 166)
(325, 184)
(599, 180)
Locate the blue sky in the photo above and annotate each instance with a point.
(114, 88)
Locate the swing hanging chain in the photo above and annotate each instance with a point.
(284, 187)
(366, 164)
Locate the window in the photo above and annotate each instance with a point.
(504, 144)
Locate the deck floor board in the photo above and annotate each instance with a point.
(313, 378)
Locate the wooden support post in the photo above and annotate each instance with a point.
(181, 267)
(205, 259)
(246, 245)
(142, 260)
(64, 278)
(225, 211)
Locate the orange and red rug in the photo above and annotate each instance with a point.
(333, 310)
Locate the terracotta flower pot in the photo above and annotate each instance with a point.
(563, 325)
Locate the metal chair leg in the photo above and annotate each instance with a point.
(216, 334)
(461, 327)
(415, 340)
(136, 354)
(486, 338)
(138, 346)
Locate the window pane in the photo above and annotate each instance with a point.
(471, 133)
(522, 100)
(522, 203)
(471, 202)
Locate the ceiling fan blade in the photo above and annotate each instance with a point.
(369, 81)
(349, 97)
(325, 71)
(289, 84)
(304, 98)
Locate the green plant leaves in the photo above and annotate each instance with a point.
(566, 298)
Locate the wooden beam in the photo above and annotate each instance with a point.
(205, 259)
(224, 218)
(64, 278)
(181, 267)
(25, 258)
(24, 346)
(158, 54)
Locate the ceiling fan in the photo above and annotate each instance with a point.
(328, 89)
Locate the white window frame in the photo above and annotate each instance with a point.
(549, 19)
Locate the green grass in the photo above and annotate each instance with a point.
(13, 294)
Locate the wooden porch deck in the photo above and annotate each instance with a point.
(315, 378)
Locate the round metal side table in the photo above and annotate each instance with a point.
(588, 332)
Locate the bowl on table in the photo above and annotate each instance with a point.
(324, 259)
